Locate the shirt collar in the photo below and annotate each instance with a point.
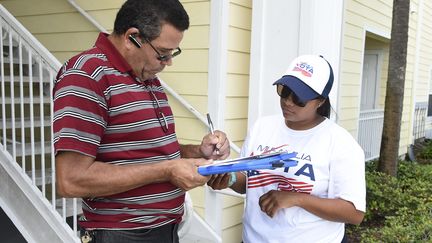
(112, 54)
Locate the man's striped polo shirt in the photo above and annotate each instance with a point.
(103, 111)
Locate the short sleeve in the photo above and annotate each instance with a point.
(347, 171)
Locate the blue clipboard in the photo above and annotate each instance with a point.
(257, 162)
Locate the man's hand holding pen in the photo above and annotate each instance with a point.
(215, 145)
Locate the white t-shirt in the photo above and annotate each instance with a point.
(330, 165)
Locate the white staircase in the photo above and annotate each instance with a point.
(27, 172)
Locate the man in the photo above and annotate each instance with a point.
(115, 138)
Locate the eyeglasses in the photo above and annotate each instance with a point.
(167, 57)
(285, 92)
(159, 113)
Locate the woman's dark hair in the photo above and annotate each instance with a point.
(149, 15)
(324, 109)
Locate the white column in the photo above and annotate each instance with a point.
(320, 32)
(274, 43)
(282, 30)
(219, 23)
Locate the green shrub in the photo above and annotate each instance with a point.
(398, 209)
(426, 150)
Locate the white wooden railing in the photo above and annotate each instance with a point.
(370, 130)
(371, 125)
(419, 124)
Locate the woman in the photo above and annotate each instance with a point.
(312, 201)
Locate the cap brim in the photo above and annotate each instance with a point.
(303, 91)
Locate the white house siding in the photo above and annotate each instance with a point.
(58, 26)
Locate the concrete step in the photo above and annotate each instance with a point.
(27, 100)
(25, 79)
(27, 122)
(38, 176)
(67, 208)
(28, 149)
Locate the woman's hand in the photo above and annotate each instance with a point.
(219, 181)
(274, 200)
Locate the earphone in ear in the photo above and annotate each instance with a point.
(133, 40)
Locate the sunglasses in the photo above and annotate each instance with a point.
(164, 58)
(159, 113)
(285, 92)
(160, 57)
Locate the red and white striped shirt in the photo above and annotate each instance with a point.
(102, 110)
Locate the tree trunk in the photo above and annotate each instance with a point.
(389, 151)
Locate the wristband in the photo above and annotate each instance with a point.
(233, 179)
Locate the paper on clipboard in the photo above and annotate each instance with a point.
(264, 161)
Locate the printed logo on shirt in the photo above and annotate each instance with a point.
(267, 149)
(305, 170)
(284, 183)
(262, 179)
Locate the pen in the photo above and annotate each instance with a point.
(211, 128)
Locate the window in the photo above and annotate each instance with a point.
(370, 81)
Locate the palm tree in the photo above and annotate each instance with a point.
(389, 151)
